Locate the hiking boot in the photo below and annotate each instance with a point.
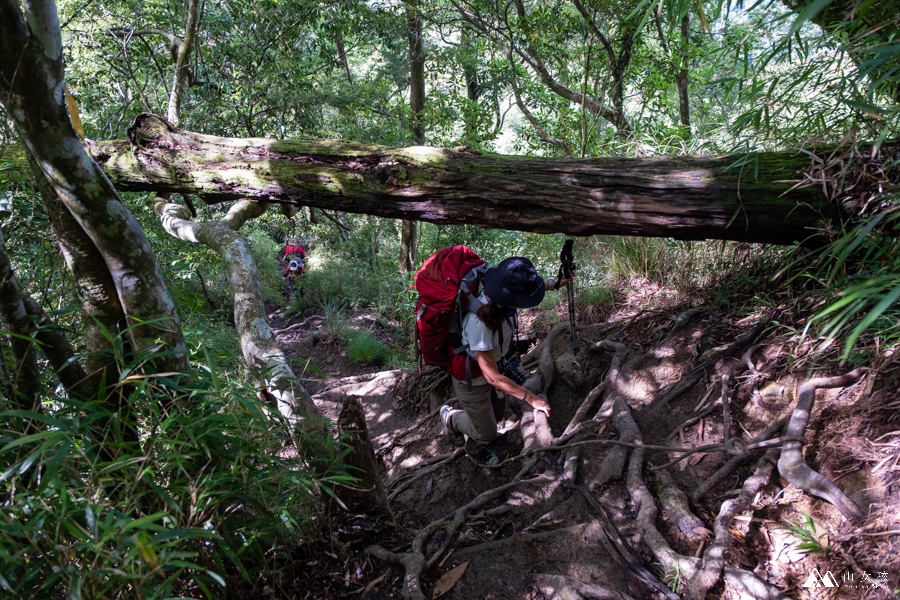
(455, 437)
(487, 458)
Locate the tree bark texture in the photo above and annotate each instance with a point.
(687, 198)
(31, 91)
(101, 310)
(408, 249)
(368, 494)
(681, 77)
(417, 125)
(60, 353)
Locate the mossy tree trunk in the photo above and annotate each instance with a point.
(745, 198)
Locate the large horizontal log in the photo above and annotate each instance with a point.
(686, 198)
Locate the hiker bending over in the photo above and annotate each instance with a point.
(292, 275)
(294, 269)
(488, 334)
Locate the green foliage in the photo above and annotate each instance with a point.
(674, 579)
(364, 347)
(595, 295)
(809, 540)
(265, 254)
(203, 495)
(631, 257)
(859, 273)
(334, 318)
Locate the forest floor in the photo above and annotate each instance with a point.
(575, 521)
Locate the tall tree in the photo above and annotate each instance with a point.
(31, 91)
(408, 236)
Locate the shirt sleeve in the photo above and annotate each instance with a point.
(476, 334)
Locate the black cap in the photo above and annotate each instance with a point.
(514, 283)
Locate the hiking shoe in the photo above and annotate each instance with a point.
(487, 458)
(455, 437)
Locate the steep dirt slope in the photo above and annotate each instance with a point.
(643, 487)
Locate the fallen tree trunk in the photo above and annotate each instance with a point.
(679, 197)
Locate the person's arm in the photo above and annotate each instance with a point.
(491, 372)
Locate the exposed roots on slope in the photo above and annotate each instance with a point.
(562, 462)
(791, 463)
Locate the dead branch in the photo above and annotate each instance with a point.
(414, 561)
(705, 411)
(519, 538)
(726, 409)
(422, 472)
(688, 381)
(300, 325)
(682, 321)
(791, 464)
(459, 518)
(646, 311)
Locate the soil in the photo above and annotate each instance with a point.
(544, 534)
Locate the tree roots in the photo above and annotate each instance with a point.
(627, 458)
(791, 464)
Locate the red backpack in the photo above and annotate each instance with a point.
(448, 282)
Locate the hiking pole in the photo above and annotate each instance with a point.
(566, 270)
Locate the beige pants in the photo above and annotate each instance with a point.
(483, 407)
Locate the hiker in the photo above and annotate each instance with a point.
(294, 251)
(292, 274)
(480, 384)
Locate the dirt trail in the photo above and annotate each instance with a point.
(567, 522)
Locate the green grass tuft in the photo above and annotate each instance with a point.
(364, 347)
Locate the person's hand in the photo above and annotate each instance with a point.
(540, 405)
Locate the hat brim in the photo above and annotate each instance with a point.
(506, 297)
